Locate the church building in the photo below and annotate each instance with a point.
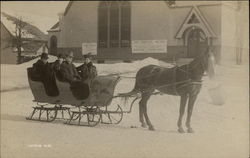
(131, 30)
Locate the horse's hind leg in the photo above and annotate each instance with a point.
(143, 124)
(181, 112)
(145, 97)
(191, 101)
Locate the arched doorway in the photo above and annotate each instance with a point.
(53, 45)
(196, 42)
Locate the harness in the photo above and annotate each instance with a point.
(175, 84)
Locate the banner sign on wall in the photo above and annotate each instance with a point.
(89, 48)
(149, 46)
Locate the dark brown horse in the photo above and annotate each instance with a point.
(184, 81)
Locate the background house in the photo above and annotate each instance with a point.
(34, 41)
(128, 30)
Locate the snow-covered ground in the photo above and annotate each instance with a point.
(220, 130)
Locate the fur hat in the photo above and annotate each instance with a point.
(44, 56)
(87, 55)
(70, 54)
(60, 55)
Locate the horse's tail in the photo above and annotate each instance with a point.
(131, 94)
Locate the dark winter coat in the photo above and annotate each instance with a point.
(56, 69)
(41, 69)
(69, 72)
(56, 65)
(87, 71)
(43, 72)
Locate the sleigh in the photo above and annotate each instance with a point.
(89, 111)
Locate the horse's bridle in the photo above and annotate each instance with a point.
(189, 68)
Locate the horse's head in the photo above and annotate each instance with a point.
(201, 63)
(204, 59)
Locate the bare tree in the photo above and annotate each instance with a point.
(19, 33)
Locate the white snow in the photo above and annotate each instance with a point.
(220, 131)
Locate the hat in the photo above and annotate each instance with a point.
(44, 56)
(60, 55)
(87, 55)
(71, 54)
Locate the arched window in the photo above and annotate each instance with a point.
(53, 45)
(114, 24)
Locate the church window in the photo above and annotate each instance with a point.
(114, 24)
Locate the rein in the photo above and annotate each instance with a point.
(186, 82)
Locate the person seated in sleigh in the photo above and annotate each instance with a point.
(56, 65)
(69, 74)
(42, 71)
(87, 70)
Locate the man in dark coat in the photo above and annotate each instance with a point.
(69, 74)
(57, 65)
(87, 70)
(58, 62)
(68, 69)
(41, 67)
(42, 72)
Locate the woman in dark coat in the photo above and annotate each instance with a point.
(69, 74)
(43, 72)
(87, 70)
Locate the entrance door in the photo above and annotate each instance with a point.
(197, 42)
(53, 45)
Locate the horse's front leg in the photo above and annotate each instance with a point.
(181, 113)
(145, 98)
(191, 101)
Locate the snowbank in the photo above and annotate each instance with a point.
(128, 67)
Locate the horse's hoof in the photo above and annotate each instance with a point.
(151, 128)
(190, 130)
(181, 130)
(143, 125)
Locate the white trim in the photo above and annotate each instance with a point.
(203, 24)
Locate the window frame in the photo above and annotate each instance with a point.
(120, 20)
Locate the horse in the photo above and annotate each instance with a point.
(184, 81)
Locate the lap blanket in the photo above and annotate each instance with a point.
(102, 90)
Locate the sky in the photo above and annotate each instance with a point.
(43, 14)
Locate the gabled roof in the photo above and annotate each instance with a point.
(3, 26)
(54, 28)
(68, 7)
(30, 31)
(196, 19)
